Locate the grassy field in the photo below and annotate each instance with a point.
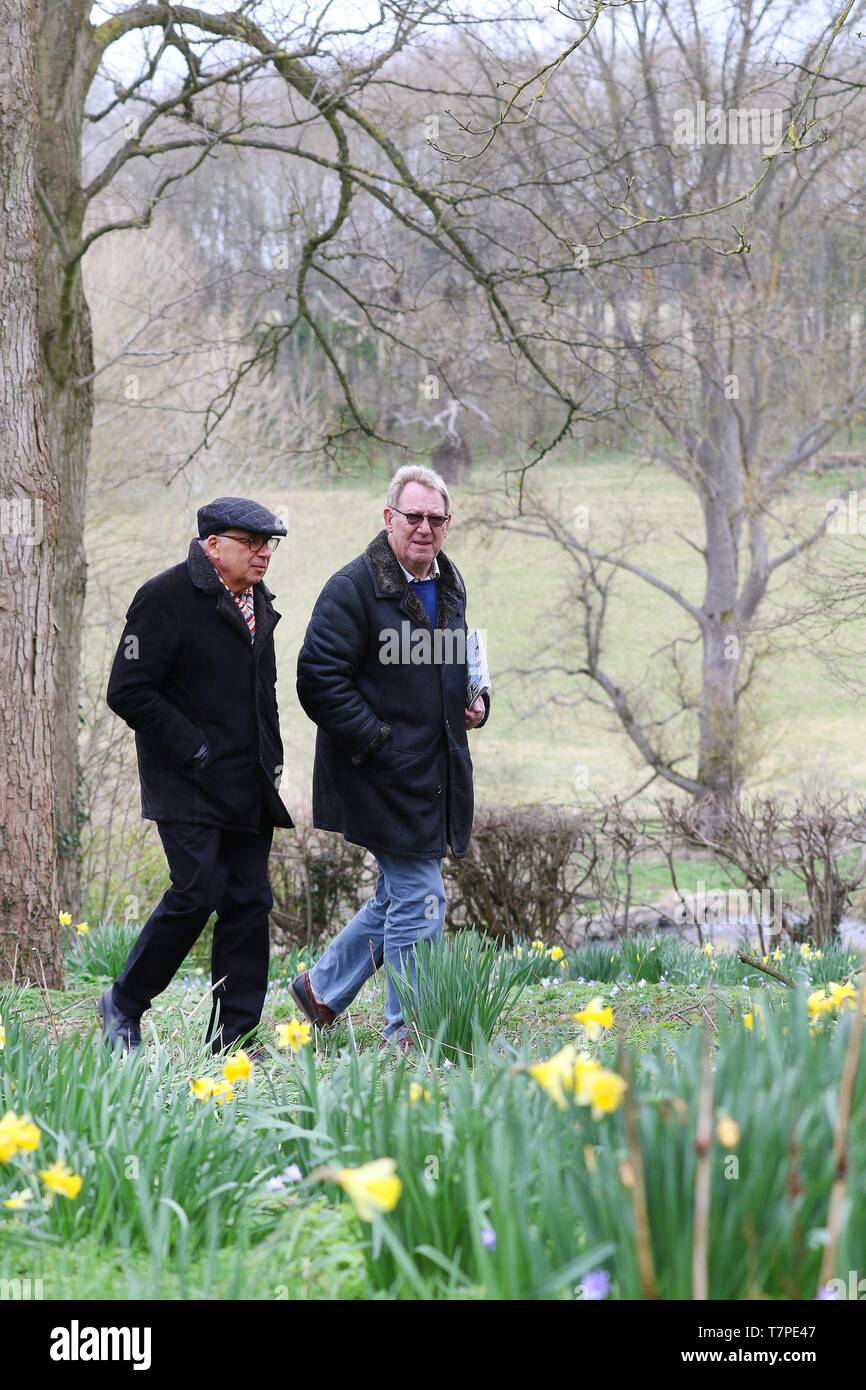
(804, 725)
(511, 1183)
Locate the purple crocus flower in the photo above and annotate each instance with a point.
(596, 1285)
(488, 1237)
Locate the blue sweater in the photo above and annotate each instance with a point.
(426, 591)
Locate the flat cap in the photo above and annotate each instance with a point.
(225, 512)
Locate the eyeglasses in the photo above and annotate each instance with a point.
(415, 518)
(254, 542)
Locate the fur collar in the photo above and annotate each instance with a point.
(390, 581)
(204, 576)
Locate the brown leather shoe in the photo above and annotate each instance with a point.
(318, 1014)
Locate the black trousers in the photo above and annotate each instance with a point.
(212, 870)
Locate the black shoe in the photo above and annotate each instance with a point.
(117, 1029)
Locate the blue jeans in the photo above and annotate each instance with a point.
(408, 906)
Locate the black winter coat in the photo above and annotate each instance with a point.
(392, 768)
(186, 673)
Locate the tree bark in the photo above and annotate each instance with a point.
(29, 936)
(66, 64)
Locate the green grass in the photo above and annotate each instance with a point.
(179, 1198)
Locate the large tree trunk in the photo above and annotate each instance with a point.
(66, 63)
(29, 938)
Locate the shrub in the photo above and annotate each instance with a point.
(524, 873)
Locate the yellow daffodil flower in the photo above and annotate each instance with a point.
(202, 1089)
(18, 1200)
(222, 1092)
(293, 1034)
(417, 1092)
(585, 1067)
(17, 1132)
(373, 1188)
(841, 994)
(65, 919)
(556, 1074)
(82, 928)
(538, 945)
(749, 1020)
(777, 954)
(238, 1067)
(606, 1090)
(819, 1002)
(708, 948)
(556, 953)
(61, 1180)
(728, 1131)
(595, 1018)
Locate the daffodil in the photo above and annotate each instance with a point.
(819, 1002)
(841, 994)
(82, 928)
(749, 1021)
(556, 1074)
(65, 919)
(556, 953)
(595, 1018)
(373, 1188)
(293, 1034)
(18, 1200)
(203, 1088)
(538, 945)
(805, 950)
(17, 1132)
(728, 1131)
(61, 1180)
(585, 1067)
(708, 948)
(777, 954)
(238, 1067)
(222, 1092)
(417, 1092)
(606, 1090)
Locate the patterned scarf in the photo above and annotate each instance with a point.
(245, 603)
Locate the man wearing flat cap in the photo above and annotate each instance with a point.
(195, 677)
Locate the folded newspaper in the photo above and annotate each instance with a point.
(477, 670)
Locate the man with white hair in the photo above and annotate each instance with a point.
(382, 672)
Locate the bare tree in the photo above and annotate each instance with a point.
(708, 349)
(29, 943)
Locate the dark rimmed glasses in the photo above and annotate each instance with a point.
(436, 519)
(253, 542)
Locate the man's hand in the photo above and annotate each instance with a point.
(474, 714)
